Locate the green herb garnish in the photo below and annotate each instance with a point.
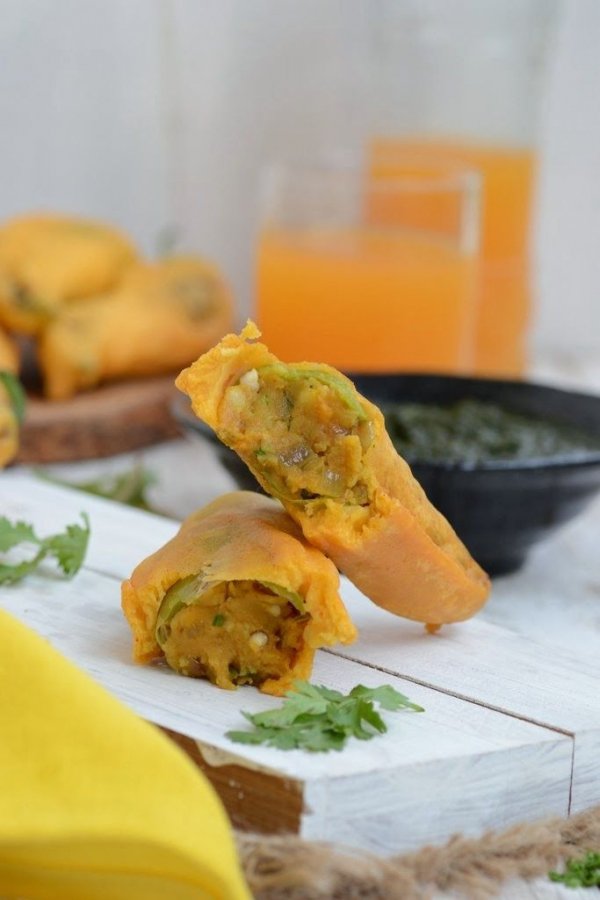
(218, 621)
(127, 487)
(313, 717)
(68, 548)
(16, 394)
(581, 872)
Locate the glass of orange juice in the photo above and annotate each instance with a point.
(504, 292)
(370, 274)
(464, 80)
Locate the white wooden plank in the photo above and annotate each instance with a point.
(495, 667)
(473, 660)
(457, 767)
(83, 619)
(430, 801)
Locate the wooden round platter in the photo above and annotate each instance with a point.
(114, 418)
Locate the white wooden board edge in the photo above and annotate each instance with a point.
(82, 619)
(122, 536)
(458, 767)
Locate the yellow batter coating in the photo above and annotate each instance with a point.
(9, 353)
(238, 597)
(160, 318)
(314, 443)
(46, 261)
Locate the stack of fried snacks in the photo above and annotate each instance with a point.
(160, 317)
(96, 311)
(322, 449)
(237, 596)
(47, 261)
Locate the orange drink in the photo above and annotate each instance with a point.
(366, 301)
(503, 296)
(351, 276)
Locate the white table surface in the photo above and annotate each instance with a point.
(559, 587)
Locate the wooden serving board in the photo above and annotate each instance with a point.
(114, 418)
(511, 731)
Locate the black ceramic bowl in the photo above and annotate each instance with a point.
(499, 508)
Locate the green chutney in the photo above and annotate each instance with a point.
(474, 432)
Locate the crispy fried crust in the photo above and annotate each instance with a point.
(400, 551)
(47, 261)
(160, 317)
(241, 536)
(9, 354)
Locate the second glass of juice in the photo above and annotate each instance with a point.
(369, 275)
(463, 79)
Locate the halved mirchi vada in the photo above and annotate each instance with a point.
(319, 447)
(238, 597)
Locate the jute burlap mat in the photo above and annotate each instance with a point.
(288, 868)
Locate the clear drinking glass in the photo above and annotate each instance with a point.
(369, 273)
(463, 78)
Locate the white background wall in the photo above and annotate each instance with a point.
(160, 113)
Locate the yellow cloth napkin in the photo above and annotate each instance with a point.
(96, 804)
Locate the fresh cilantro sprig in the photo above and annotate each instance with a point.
(313, 717)
(581, 872)
(68, 548)
(128, 487)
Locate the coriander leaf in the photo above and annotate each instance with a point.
(306, 689)
(387, 697)
(315, 718)
(13, 533)
(284, 739)
(16, 394)
(292, 710)
(581, 872)
(307, 736)
(321, 690)
(304, 699)
(127, 487)
(68, 548)
(12, 574)
(247, 737)
(320, 740)
(345, 716)
(369, 714)
(352, 713)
